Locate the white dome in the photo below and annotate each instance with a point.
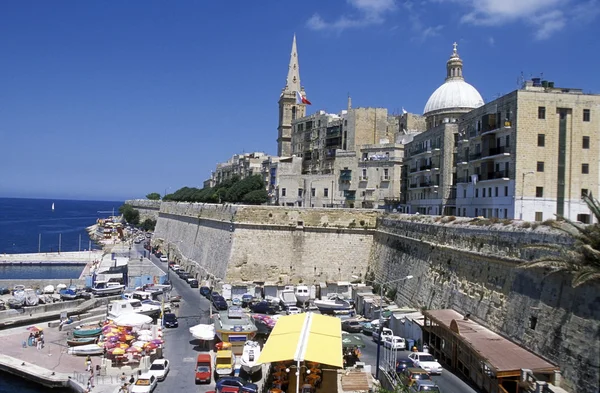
(454, 94)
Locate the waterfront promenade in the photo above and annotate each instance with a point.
(75, 257)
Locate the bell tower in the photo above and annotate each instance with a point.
(289, 110)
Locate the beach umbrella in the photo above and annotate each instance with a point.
(145, 337)
(157, 342)
(139, 344)
(34, 329)
(145, 331)
(113, 339)
(123, 345)
(109, 335)
(129, 337)
(134, 350)
(117, 351)
(150, 347)
(133, 319)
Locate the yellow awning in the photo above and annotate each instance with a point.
(307, 336)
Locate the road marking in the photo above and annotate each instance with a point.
(188, 360)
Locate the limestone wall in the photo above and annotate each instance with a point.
(473, 270)
(147, 208)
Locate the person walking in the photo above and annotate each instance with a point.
(88, 363)
(91, 380)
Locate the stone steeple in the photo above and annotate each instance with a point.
(454, 65)
(289, 110)
(292, 82)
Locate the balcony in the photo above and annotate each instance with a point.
(364, 178)
(345, 175)
(504, 175)
(413, 170)
(385, 178)
(425, 167)
(428, 184)
(350, 195)
(474, 156)
(496, 151)
(422, 150)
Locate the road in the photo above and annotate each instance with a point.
(194, 309)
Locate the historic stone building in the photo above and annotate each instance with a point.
(531, 154)
(240, 165)
(289, 109)
(429, 185)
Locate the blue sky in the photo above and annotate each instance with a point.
(112, 100)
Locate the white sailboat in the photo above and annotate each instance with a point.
(249, 359)
(52, 206)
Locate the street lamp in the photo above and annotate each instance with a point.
(523, 191)
(381, 285)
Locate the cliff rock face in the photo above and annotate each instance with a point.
(465, 264)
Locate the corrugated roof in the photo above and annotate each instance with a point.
(501, 353)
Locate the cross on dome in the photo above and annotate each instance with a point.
(455, 45)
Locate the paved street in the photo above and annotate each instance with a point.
(194, 309)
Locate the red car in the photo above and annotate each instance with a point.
(225, 389)
(203, 368)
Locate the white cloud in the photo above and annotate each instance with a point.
(367, 12)
(545, 16)
(421, 32)
(491, 41)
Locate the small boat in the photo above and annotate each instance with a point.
(52, 206)
(76, 342)
(87, 332)
(31, 298)
(69, 293)
(60, 287)
(249, 359)
(49, 289)
(302, 294)
(15, 303)
(105, 288)
(117, 308)
(333, 303)
(84, 350)
(287, 296)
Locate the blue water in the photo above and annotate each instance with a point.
(23, 220)
(11, 384)
(38, 272)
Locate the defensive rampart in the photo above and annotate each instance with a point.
(147, 208)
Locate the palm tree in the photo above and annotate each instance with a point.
(583, 260)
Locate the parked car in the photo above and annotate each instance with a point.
(263, 307)
(159, 368)
(235, 382)
(219, 303)
(384, 332)
(145, 383)
(352, 326)
(170, 320)
(291, 310)
(367, 328)
(402, 363)
(426, 361)
(193, 282)
(249, 388)
(410, 375)
(425, 386)
(203, 368)
(394, 342)
(205, 291)
(247, 299)
(163, 258)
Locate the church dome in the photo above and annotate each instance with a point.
(455, 95)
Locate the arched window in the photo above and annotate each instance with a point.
(293, 113)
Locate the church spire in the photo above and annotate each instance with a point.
(454, 65)
(292, 83)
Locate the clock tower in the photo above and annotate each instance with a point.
(289, 110)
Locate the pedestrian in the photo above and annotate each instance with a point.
(38, 343)
(92, 377)
(88, 363)
(123, 378)
(132, 380)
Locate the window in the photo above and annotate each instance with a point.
(540, 166)
(505, 213)
(541, 140)
(496, 191)
(312, 192)
(476, 193)
(539, 216)
(483, 193)
(464, 193)
(586, 115)
(507, 140)
(585, 168)
(386, 173)
(326, 192)
(364, 173)
(585, 143)
(476, 212)
(283, 192)
(505, 190)
(300, 192)
(532, 321)
(539, 192)
(490, 192)
(541, 112)
(583, 218)
(584, 192)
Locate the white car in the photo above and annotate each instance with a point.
(145, 383)
(426, 361)
(164, 258)
(160, 369)
(293, 310)
(394, 342)
(385, 332)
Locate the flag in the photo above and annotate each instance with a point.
(404, 112)
(301, 100)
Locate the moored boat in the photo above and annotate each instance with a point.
(69, 293)
(128, 306)
(249, 358)
(15, 303)
(302, 294)
(333, 303)
(87, 332)
(106, 288)
(84, 350)
(31, 298)
(76, 342)
(287, 296)
(49, 289)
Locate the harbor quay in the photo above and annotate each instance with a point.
(71, 257)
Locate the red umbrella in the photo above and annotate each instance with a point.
(34, 329)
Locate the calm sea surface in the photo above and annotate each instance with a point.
(21, 223)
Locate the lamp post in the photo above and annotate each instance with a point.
(523, 191)
(380, 328)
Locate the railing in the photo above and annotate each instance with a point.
(413, 170)
(497, 175)
(474, 156)
(412, 185)
(497, 150)
(463, 180)
(428, 184)
(425, 167)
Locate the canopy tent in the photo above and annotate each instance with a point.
(307, 336)
(133, 319)
(203, 332)
(352, 340)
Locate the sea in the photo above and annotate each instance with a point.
(29, 226)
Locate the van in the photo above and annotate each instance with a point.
(203, 368)
(176, 267)
(385, 332)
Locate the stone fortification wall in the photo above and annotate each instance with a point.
(146, 207)
(259, 243)
(473, 269)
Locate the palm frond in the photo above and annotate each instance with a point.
(593, 204)
(584, 276)
(550, 263)
(592, 255)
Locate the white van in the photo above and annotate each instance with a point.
(176, 267)
(385, 332)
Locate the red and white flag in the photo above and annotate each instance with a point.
(301, 100)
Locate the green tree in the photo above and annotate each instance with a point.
(148, 224)
(583, 260)
(256, 197)
(153, 196)
(237, 191)
(131, 215)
